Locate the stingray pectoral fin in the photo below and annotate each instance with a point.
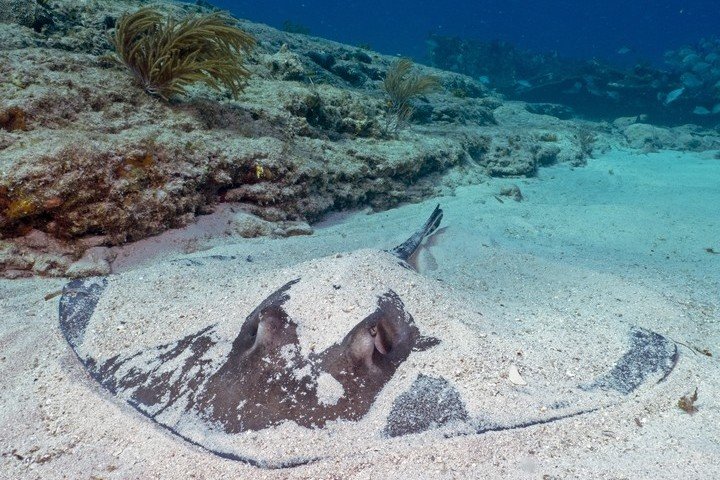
(77, 305)
(425, 343)
(648, 360)
(429, 403)
(650, 357)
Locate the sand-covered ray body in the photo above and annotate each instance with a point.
(287, 367)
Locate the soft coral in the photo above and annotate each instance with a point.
(13, 118)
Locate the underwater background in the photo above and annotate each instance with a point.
(616, 30)
(602, 60)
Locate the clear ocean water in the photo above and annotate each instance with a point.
(580, 29)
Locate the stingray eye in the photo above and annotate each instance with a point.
(259, 330)
(254, 327)
(378, 340)
(382, 338)
(255, 333)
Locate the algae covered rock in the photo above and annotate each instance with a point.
(648, 137)
(95, 261)
(22, 12)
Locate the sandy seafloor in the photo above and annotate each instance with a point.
(623, 240)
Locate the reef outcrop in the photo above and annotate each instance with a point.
(89, 160)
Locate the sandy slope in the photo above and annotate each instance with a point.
(621, 241)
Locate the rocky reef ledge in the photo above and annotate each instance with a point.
(89, 161)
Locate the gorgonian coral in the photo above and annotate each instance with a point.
(166, 55)
(401, 87)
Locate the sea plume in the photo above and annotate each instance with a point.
(401, 87)
(166, 55)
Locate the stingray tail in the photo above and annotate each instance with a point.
(406, 249)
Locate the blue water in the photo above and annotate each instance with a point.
(574, 28)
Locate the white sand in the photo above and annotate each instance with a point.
(585, 248)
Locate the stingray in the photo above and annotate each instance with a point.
(281, 367)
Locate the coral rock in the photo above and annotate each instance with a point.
(95, 261)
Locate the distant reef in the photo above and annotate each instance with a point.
(89, 160)
(686, 89)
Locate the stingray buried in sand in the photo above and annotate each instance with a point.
(284, 367)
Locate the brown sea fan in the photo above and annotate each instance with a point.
(166, 55)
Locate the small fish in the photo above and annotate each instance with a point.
(575, 89)
(701, 111)
(674, 95)
(624, 51)
(523, 84)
